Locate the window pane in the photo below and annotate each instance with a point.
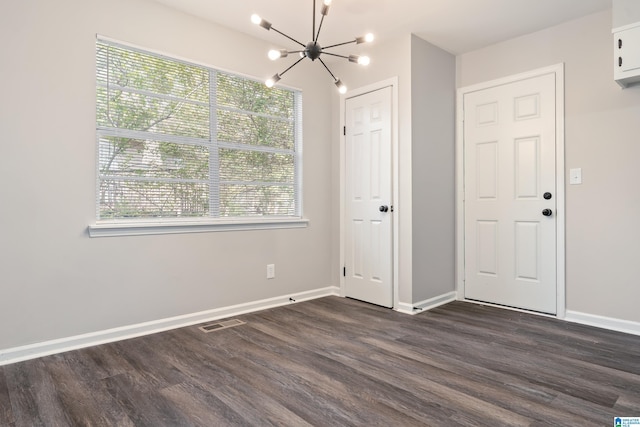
(249, 129)
(127, 157)
(148, 199)
(147, 92)
(249, 95)
(256, 200)
(134, 111)
(128, 68)
(248, 166)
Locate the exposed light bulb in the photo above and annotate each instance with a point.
(272, 80)
(259, 21)
(364, 60)
(325, 7)
(274, 54)
(341, 87)
(367, 38)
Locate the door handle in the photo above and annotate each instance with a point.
(384, 208)
(547, 212)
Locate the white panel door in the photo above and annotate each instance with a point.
(368, 210)
(510, 183)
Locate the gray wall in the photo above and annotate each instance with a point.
(433, 177)
(602, 128)
(55, 280)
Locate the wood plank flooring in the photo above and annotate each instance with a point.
(339, 362)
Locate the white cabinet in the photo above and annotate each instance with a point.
(626, 55)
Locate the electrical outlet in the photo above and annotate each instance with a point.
(575, 176)
(271, 271)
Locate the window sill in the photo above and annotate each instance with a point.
(118, 228)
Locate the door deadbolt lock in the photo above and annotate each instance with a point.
(547, 196)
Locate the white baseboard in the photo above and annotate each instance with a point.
(404, 308)
(46, 348)
(610, 323)
(427, 304)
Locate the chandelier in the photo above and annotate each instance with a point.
(312, 50)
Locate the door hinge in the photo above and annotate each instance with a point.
(344, 271)
(344, 130)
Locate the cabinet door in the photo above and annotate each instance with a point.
(626, 55)
(627, 49)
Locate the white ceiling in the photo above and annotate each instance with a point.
(457, 26)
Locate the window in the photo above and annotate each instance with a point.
(181, 141)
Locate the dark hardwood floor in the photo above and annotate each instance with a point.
(339, 362)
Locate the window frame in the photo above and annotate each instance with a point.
(172, 225)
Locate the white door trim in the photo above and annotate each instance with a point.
(558, 71)
(393, 82)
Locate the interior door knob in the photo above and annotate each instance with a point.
(384, 208)
(547, 212)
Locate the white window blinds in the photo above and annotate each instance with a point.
(179, 140)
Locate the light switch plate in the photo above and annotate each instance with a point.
(271, 271)
(575, 176)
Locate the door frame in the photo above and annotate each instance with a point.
(558, 71)
(393, 83)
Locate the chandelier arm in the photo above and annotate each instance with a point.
(313, 27)
(334, 54)
(291, 66)
(290, 38)
(339, 44)
(325, 66)
(319, 28)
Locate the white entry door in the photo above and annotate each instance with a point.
(368, 209)
(510, 194)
